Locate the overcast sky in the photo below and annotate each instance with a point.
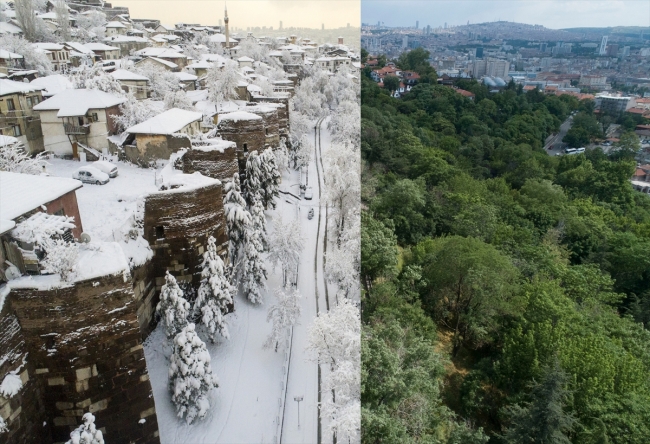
(244, 13)
(554, 14)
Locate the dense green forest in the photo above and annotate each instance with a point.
(506, 292)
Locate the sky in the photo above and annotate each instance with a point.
(245, 13)
(555, 14)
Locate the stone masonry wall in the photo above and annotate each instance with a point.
(85, 345)
(282, 106)
(23, 413)
(269, 117)
(177, 225)
(211, 163)
(247, 134)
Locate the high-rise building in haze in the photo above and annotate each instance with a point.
(479, 52)
(417, 24)
(603, 46)
(405, 42)
(280, 24)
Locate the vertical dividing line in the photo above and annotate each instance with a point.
(286, 386)
(316, 138)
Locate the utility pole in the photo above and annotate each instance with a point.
(298, 399)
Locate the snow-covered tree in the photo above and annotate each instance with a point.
(284, 314)
(254, 177)
(302, 152)
(63, 20)
(222, 81)
(96, 78)
(133, 111)
(173, 308)
(253, 269)
(237, 218)
(250, 48)
(342, 186)
(14, 158)
(3, 425)
(335, 341)
(270, 179)
(86, 433)
(282, 156)
(341, 268)
(90, 25)
(345, 125)
(258, 220)
(60, 257)
(190, 375)
(215, 293)
(285, 245)
(26, 17)
(178, 99)
(32, 58)
(161, 81)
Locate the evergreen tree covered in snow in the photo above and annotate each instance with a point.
(254, 177)
(14, 158)
(282, 156)
(86, 433)
(258, 220)
(285, 245)
(237, 218)
(215, 293)
(190, 375)
(302, 152)
(270, 179)
(284, 314)
(161, 81)
(173, 308)
(253, 269)
(335, 341)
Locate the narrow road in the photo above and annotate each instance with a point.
(554, 144)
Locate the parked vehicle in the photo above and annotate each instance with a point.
(106, 167)
(309, 193)
(569, 150)
(90, 174)
(577, 151)
(310, 215)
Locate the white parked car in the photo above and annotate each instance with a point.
(90, 174)
(309, 193)
(106, 167)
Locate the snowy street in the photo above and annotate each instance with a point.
(249, 405)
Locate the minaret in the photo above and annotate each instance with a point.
(225, 19)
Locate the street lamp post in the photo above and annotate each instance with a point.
(298, 399)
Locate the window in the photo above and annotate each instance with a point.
(29, 102)
(160, 232)
(10, 105)
(245, 147)
(17, 131)
(59, 213)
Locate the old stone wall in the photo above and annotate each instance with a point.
(282, 107)
(85, 345)
(177, 225)
(151, 147)
(24, 412)
(269, 116)
(218, 164)
(146, 297)
(248, 134)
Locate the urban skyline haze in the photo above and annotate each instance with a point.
(554, 14)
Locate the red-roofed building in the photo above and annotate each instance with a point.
(642, 130)
(468, 94)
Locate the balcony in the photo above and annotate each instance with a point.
(75, 129)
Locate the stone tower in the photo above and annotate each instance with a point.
(225, 20)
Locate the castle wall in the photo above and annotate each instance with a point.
(215, 163)
(282, 107)
(269, 117)
(248, 134)
(85, 345)
(177, 225)
(23, 413)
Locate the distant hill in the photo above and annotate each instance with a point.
(625, 30)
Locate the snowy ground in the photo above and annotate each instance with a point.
(249, 406)
(104, 208)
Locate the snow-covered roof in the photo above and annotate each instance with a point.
(164, 62)
(125, 39)
(215, 145)
(41, 226)
(115, 25)
(6, 225)
(185, 76)
(197, 95)
(220, 38)
(4, 54)
(169, 122)
(239, 115)
(202, 64)
(213, 58)
(245, 59)
(98, 259)
(9, 28)
(53, 84)
(21, 193)
(7, 140)
(80, 48)
(77, 102)
(160, 53)
(48, 46)
(12, 87)
(100, 47)
(123, 74)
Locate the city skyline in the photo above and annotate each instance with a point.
(554, 14)
(249, 13)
